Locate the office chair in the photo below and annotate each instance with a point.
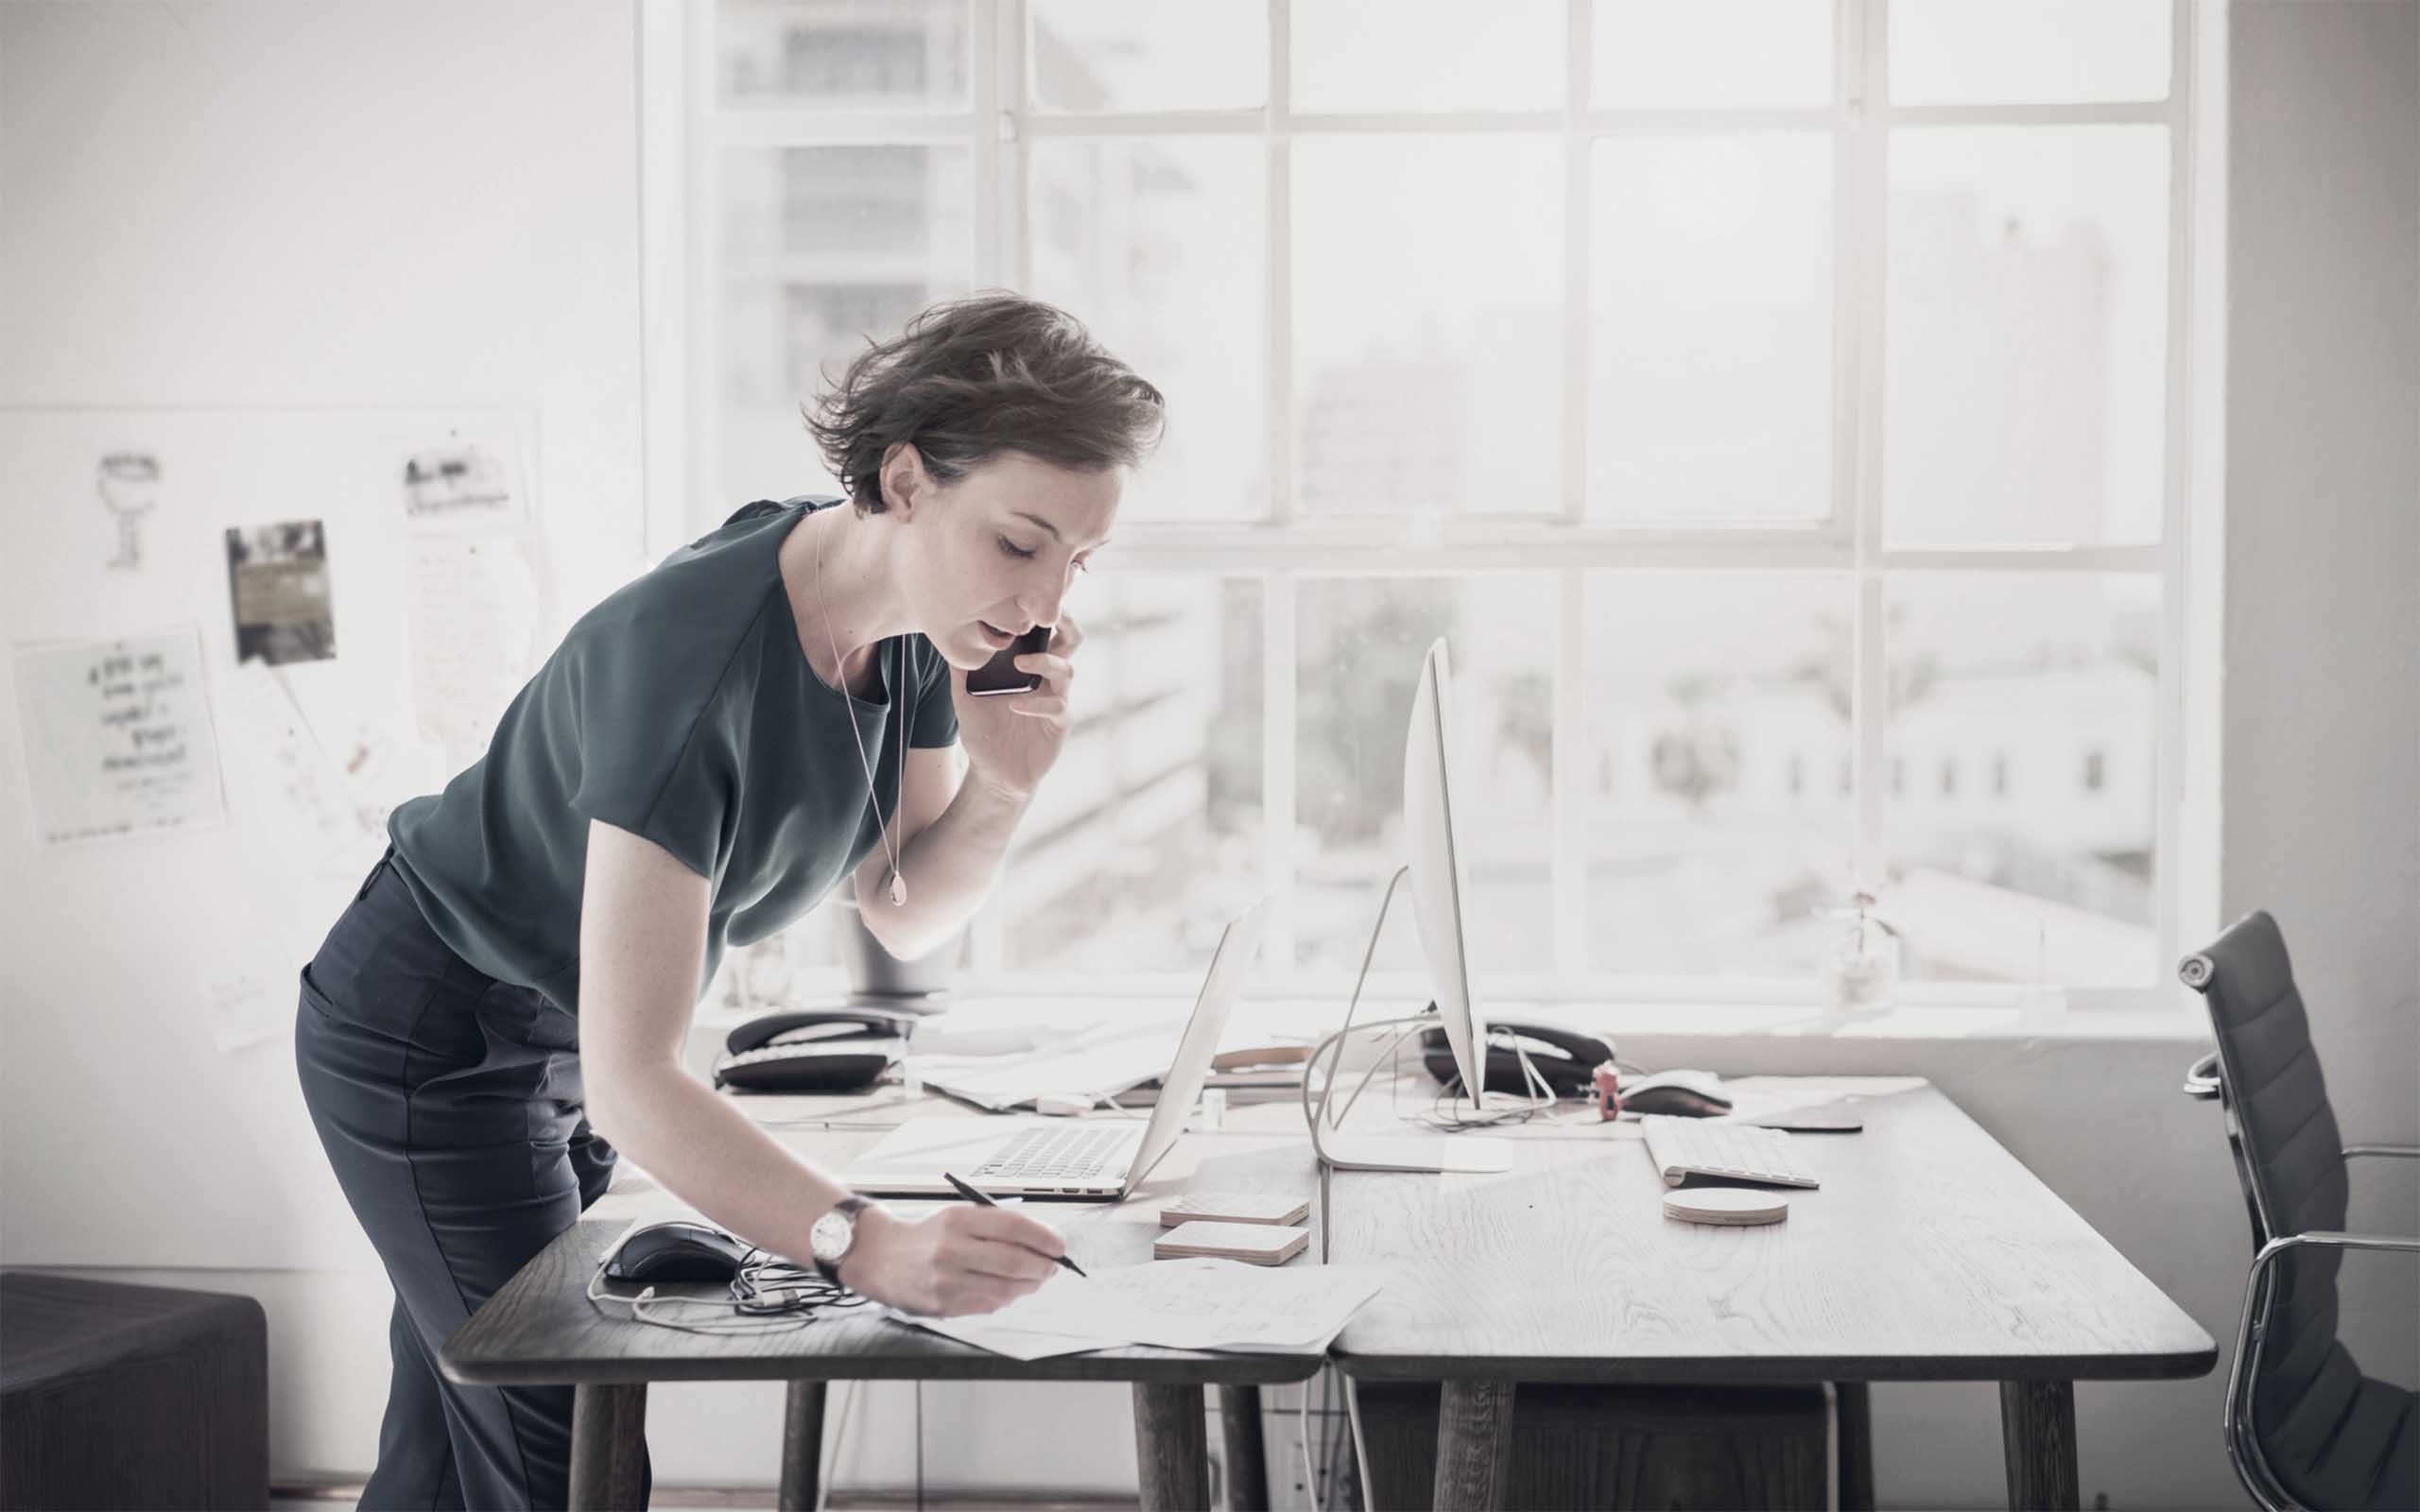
(2304, 1427)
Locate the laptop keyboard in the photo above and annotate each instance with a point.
(1070, 1154)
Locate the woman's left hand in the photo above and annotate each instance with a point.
(1012, 738)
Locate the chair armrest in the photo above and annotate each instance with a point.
(2330, 1239)
(2243, 1439)
(2405, 1151)
(2201, 1078)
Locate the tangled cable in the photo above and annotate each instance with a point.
(769, 1296)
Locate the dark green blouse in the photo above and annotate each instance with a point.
(681, 708)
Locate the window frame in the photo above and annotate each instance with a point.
(683, 132)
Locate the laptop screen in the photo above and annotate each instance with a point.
(1182, 1088)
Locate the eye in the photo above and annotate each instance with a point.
(1012, 548)
(1079, 564)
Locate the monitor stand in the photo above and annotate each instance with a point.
(1357, 1151)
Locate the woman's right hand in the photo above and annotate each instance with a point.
(962, 1258)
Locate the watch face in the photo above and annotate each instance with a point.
(830, 1236)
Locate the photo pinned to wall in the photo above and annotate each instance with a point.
(129, 485)
(463, 481)
(117, 735)
(278, 577)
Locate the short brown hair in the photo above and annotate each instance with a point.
(971, 378)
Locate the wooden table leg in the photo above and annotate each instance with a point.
(2038, 1436)
(1853, 1425)
(608, 1446)
(801, 1447)
(1171, 1448)
(1473, 1445)
(1247, 1459)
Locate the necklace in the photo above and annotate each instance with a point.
(898, 695)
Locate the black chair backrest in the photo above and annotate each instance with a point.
(2291, 1153)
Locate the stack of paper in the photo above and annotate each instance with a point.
(1175, 1304)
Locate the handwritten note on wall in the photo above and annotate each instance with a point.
(472, 609)
(117, 738)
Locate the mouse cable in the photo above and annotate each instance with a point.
(768, 1296)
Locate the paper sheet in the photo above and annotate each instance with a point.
(117, 737)
(1176, 1304)
(464, 478)
(474, 609)
(286, 783)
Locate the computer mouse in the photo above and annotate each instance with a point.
(677, 1251)
(1682, 1093)
(1063, 1105)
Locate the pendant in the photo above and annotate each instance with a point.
(898, 890)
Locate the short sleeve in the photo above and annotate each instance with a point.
(643, 735)
(935, 720)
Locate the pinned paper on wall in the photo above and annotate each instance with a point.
(281, 775)
(117, 737)
(129, 485)
(464, 479)
(473, 610)
(277, 575)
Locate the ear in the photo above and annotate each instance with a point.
(904, 482)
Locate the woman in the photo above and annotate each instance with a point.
(778, 706)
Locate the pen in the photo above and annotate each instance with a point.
(972, 1195)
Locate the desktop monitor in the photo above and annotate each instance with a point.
(1439, 875)
(1439, 881)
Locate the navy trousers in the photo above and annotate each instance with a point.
(450, 1104)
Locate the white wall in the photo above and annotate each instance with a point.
(2323, 534)
(287, 203)
(2322, 745)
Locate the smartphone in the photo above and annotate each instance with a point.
(1000, 674)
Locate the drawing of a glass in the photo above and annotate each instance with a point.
(129, 483)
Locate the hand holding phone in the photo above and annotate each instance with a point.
(1001, 674)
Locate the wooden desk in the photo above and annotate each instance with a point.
(1930, 1254)
(539, 1328)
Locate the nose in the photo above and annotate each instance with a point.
(1039, 605)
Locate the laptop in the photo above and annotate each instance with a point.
(1097, 1159)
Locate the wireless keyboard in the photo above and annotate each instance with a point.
(1683, 1147)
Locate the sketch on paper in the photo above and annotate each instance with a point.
(129, 485)
(117, 737)
(278, 575)
(457, 480)
(283, 778)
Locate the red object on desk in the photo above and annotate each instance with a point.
(1608, 1098)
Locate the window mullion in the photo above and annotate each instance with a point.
(2169, 749)
(705, 263)
(1569, 822)
(1578, 228)
(1277, 772)
(1277, 595)
(1278, 333)
(1567, 804)
(991, 141)
(1864, 201)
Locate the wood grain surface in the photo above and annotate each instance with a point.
(1930, 1253)
(541, 1328)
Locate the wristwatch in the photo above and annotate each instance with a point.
(833, 1234)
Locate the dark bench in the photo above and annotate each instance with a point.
(119, 1396)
